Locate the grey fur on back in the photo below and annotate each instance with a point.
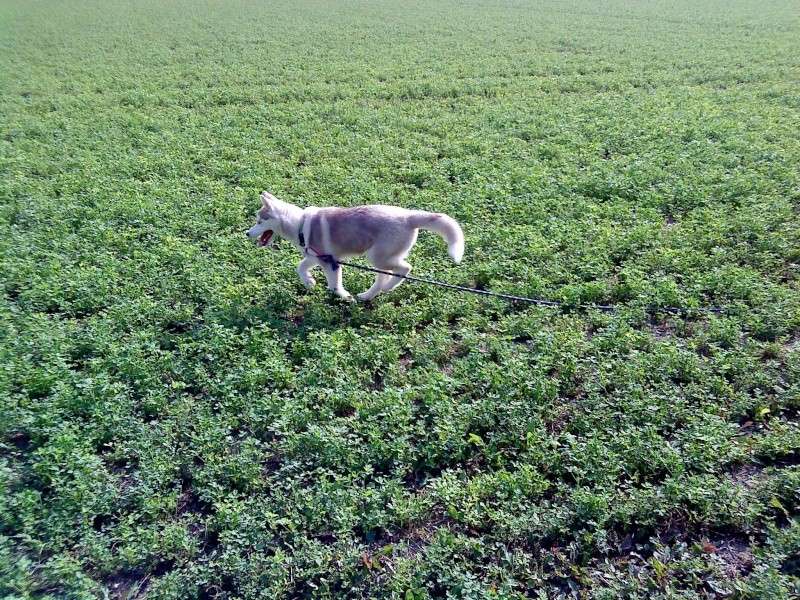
(354, 231)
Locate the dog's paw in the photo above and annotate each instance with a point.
(364, 297)
(342, 294)
(309, 283)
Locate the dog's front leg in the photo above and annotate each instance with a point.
(334, 277)
(303, 269)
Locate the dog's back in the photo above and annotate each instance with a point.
(353, 231)
(385, 233)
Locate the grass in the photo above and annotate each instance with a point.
(180, 419)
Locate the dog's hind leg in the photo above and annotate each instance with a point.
(400, 267)
(390, 255)
(377, 287)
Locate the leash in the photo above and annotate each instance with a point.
(334, 263)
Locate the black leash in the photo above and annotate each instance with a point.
(334, 263)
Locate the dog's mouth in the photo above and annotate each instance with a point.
(264, 238)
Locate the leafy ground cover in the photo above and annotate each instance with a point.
(180, 419)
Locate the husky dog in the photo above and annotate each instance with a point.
(384, 233)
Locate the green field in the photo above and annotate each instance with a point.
(180, 418)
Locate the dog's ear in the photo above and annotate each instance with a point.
(270, 204)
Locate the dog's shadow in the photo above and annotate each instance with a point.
(294, 315)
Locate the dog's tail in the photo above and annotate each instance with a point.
(445, 226)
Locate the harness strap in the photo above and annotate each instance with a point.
(301, 238)
(326, 258)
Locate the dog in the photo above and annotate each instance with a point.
(385, 234)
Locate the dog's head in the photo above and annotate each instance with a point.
(267, 221)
